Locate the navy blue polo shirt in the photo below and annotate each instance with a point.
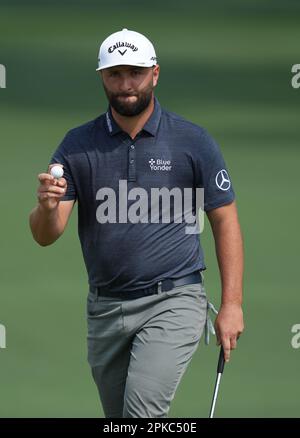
(101, 163)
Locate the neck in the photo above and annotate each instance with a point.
(133, 125)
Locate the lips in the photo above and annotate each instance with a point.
(126, 95)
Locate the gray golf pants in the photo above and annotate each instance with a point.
(139, 349)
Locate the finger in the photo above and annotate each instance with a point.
(45, 177)
(51, 189)
(233, 342)
(46, 195)
(218, 337)
(226, 348)
(62, 182)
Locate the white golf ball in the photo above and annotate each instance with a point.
(57, 171)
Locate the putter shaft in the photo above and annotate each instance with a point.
(220, 369)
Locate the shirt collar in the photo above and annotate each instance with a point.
(151, 126)
(112, 127)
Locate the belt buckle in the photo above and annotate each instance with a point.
(165, 285)
(159, 289)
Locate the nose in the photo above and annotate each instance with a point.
(125, 84)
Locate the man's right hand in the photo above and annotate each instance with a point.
(50, 190)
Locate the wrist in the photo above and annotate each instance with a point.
(231, 303)
(46, 211)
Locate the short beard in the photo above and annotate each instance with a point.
(128, 109)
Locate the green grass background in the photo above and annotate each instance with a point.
(224, 65)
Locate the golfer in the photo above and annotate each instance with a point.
(130, 171)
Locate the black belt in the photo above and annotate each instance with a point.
(161, 286)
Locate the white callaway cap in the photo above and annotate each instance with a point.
(126, 48)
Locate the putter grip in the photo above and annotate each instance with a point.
(221, 361)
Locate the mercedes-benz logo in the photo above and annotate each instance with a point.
(222, 180)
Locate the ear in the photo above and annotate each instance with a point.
(156, 70)
(100, 74)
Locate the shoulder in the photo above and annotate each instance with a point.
(81, 137)
(180, 122)
(85, 130)
(195, 135)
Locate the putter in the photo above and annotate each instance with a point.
(220, 369)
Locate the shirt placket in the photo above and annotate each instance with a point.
(131, 162)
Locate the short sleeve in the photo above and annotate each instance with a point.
(60, 156)
(218, 189)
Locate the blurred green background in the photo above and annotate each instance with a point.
(224, 65)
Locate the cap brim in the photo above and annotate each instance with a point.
(132, 63)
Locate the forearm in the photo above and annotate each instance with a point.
(46, 226)
(229, 251)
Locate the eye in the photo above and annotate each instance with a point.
(136, 72)
(113, 74)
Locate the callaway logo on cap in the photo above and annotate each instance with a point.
(126, 48)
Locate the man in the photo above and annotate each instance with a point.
(146, 306)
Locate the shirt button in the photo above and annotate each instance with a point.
(132, 146)
(131, 161)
